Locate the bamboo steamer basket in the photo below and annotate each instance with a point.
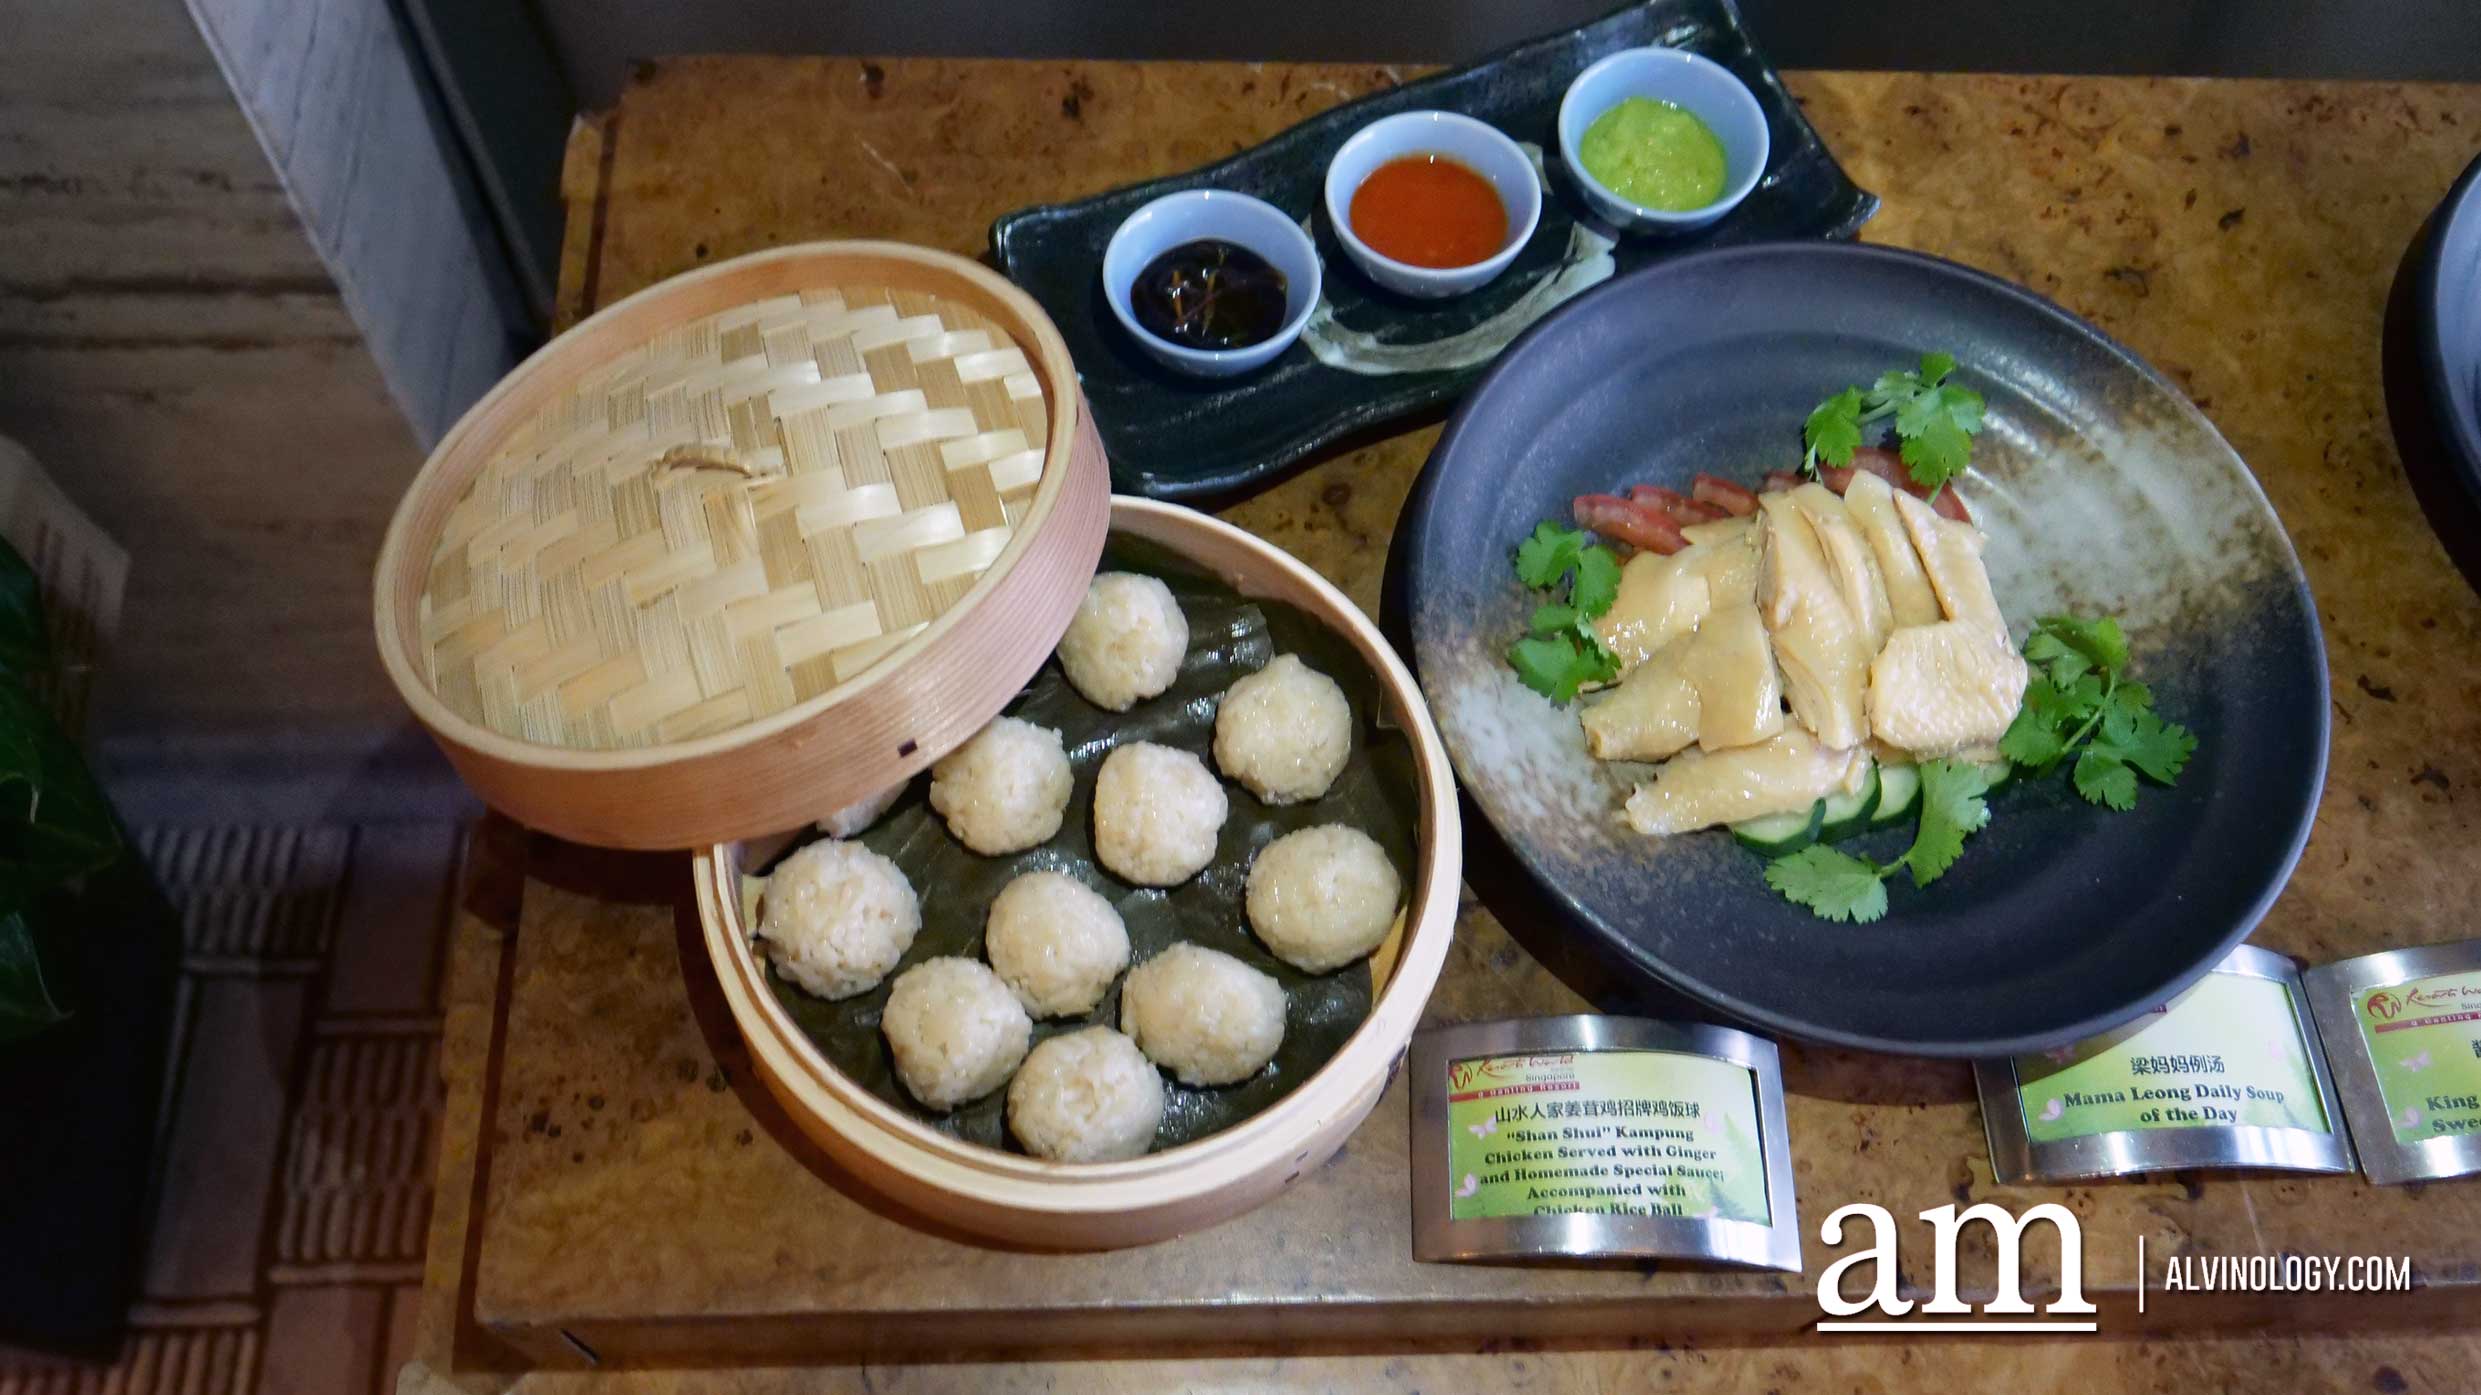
(746, 547)
(1022, 1200)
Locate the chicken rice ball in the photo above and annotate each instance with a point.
(835, 917)
(1125, 642)
(1006, 789)
(955, 1030)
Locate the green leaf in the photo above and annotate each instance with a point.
(1916, 413)
(1602, 666)
(1955, 408)
(2030, 740)
(27, 1004)
(1597, 581)
(56, 828)
(2062, 707)
(55, 824)
(1557, 665)
(1553, 618)
(2100, 641)
(1563, 653)
(2061, 664)
(2079, 695)
(25, 643)
(2154, 746)
(1894, 388)
(1833, 430)
(1935, 421)
(2043, 647)
(1544, 558)
(1951, 807)
(2105, 779)
(1833, 885)
(1545, 663)
(1963, 406)
(1937, 453)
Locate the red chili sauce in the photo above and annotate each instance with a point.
(1429, 211)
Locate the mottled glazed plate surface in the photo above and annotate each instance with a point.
(2103, 491)
(1369, 356)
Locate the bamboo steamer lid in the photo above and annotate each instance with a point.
(746, 547)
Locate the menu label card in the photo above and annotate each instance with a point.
(2228, 1074)
(2424, 1038)
(2405, 1027)
(1639, 1133)
(1597, 1137)
(2228, 1052)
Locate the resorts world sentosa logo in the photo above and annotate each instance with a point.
(1944, 1311)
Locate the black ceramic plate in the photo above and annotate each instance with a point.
(2432, 346)
(2103, 491)
(1369, 356)
(2451, 325)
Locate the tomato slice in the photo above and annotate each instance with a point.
(1723, 494)
(1637, 524)
(1681, 509)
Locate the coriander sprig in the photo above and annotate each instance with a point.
(1562, 653)
(2081, 702)
(1838, 885)
(1935, 422)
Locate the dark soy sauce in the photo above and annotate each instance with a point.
(1210, 294)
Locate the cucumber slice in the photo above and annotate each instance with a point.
(1847, 814)
(1777, 834)
(2000, 773)
(1899, 792)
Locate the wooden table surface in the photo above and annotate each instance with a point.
(615, 1188)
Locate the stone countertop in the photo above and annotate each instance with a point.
(613, 1173)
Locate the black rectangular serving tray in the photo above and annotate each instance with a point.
(1175, 437)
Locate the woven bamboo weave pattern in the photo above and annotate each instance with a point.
(735, 517)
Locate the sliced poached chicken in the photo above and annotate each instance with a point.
(1953, 686)
(1871, 503)
(1698, 789)
(1662, 599)
(1944, 689)
(1848, 556)
(1822, 647)
(1717, 688)
(1870, 616)
(1951, 554)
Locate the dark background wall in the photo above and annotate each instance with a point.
(594, 40)
(507, 75)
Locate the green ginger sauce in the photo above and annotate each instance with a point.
(1655, 155)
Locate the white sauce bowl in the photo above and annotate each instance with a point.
(1192, 215)
(1477, 146)
(1702, 87)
